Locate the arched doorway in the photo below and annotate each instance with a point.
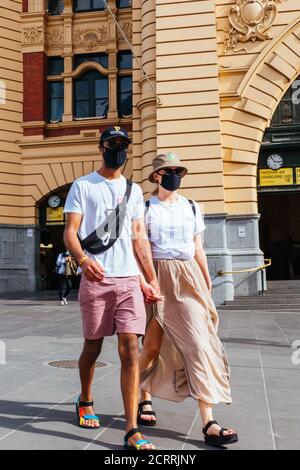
(279, 188)
(52, 223)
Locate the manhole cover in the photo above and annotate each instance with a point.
(72, 364)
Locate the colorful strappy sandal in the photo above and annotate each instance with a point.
(142, 421)
(138, 444)
(81, 417)
(220, 440)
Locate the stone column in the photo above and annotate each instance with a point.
(147, 102)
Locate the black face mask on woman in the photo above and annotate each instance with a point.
(114, 158)
(171, 182)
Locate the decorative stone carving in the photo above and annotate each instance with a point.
(33, 35)
(250, 20)
(91, 38)
(54, 37)
(127, 28)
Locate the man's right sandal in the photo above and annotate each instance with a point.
(81, 417)
(138, 444)
(142, 421)
(220, 440)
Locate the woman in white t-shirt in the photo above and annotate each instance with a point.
(182, 354)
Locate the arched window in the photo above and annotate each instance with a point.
(91, 95)
(288, 110)
(55, 7)
(88, 5)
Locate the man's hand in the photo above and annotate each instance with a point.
(92, 270)
(154, 284)
(150, 293)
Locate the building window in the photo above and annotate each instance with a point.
(288, 110)
(88, 5)
(55, 7)
(124, 3)
(125, 96)
(55, 65)
(56, 101)
(125, 60)
(91, 95)
(101, 59)
(124, 83)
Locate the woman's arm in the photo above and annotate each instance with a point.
(201, 259)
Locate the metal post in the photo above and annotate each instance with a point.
(262, 282)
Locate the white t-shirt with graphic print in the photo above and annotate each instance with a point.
(172, 228)
(94, 197)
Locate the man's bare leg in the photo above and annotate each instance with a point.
(129, 356)
(89, 355)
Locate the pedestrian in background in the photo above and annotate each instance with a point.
(64, 273)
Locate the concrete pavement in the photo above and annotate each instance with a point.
(37, 401)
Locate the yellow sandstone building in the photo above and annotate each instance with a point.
(214, 81)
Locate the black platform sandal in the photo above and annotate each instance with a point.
(220, 440)
(142, 421)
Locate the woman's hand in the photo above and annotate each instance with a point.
(92, 270)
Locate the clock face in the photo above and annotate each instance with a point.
(54, 201)
(275, 162)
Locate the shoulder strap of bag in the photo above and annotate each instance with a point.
(147, 204)
(117, 216)
(193, 207)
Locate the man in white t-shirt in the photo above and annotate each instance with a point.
(112, 287)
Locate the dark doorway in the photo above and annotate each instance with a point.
(52, 240)
(280, 233)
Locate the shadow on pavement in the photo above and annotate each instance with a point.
(26, 416)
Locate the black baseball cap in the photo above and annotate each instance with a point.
(113, 132)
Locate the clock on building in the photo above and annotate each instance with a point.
(275, 162)
(54, 201)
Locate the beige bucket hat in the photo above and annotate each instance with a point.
(165, 160)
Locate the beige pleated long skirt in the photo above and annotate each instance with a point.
(192, 361)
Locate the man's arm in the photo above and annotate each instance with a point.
(143, 252)
(93, 271)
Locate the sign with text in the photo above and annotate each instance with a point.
(55, 216)
(297, 175)
(282, 177)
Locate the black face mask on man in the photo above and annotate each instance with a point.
(114, 158)
(171, 182)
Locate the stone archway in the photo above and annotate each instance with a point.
(253, 106)
(245, 115)
(262, 88)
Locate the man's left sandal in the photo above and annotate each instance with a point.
(81, 417)
(138, 444)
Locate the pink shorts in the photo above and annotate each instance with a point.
(113, 305)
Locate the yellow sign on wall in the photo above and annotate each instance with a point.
(55, 216)
(282, 177)
(297, 175)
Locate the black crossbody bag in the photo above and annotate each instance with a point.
(103, 237)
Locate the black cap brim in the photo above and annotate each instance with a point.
(111, 137)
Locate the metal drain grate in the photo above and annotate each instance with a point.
(72, 364)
